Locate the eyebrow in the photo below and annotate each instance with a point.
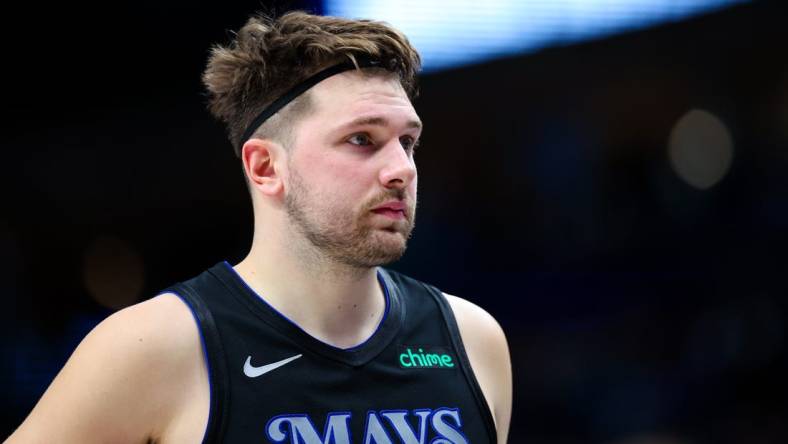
(377, 121)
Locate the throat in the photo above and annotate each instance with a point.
(338, 311)
(351, 325)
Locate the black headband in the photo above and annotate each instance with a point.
(299, 89)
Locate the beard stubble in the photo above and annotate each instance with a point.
(345, 236)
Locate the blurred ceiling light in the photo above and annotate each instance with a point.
(700, 149)
(113, 272)
(451, 33)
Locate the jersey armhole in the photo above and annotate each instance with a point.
(214, 361)
(465, 363)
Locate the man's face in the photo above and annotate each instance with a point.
(351, 183)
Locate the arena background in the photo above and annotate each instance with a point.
(619, 205)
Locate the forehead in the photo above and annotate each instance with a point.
(351, 94)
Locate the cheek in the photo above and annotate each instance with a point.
(341, 175)
(333, 186)
(333, 175)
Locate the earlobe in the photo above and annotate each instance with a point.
(262, 160)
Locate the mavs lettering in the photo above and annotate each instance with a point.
(441, 426)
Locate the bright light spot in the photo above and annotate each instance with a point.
(113, 272)
(451, 33)
(700, 149)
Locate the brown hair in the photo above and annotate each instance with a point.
(269, 56)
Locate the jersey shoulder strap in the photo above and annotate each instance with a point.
(413, 289)
(213, 350)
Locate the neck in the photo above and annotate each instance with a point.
(335, 303)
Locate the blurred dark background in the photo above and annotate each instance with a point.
(620, 206)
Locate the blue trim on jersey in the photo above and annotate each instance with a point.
(386, 296)
(205, 355)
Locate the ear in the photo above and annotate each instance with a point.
(262, 160)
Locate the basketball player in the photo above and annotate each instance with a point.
(307, 340)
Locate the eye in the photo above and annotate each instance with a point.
(360, 139)
(408, 143)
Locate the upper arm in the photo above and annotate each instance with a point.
(122, 382)
(485, 344)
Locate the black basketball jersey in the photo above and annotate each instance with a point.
(271, 382)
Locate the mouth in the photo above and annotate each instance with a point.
(394, 210)
(393, 214)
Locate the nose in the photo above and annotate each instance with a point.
(399, 168)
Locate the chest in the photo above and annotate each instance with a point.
(408, 394)
(271, 382)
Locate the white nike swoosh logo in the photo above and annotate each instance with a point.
(253, 372)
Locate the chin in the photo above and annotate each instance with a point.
(391, 251)
(380, 249)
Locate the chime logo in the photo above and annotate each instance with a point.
(413, 357)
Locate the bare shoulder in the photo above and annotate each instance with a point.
(124, 381)
(481, 333)
(471, 316)
(487, 349)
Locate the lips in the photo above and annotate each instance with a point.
(394, 209)
(394, 205)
